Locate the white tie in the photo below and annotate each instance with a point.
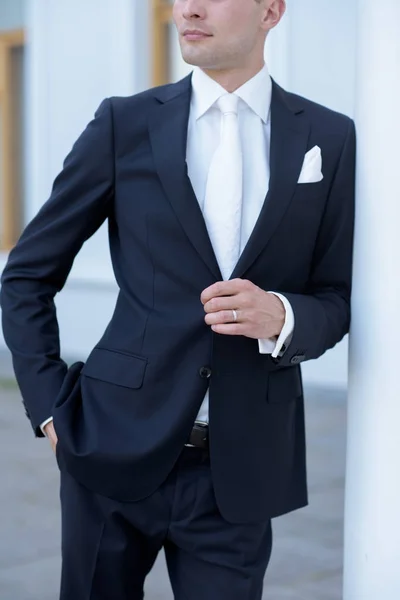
(223, 200)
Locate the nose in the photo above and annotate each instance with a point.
(194, 9)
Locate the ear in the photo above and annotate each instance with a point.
(273, 13)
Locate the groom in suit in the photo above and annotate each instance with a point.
(230, 209)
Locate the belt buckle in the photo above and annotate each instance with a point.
(201, 425)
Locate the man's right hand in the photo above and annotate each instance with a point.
(50, 433)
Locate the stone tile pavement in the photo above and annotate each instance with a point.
(307, 555)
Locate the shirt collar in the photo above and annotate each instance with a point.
(256, 93)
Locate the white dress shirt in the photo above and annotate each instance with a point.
(255, 132)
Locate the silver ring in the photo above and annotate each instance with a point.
(235, 317)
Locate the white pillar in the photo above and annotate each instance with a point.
(372, 521)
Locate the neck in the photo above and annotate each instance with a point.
(233, 79)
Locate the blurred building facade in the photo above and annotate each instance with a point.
(59, 59)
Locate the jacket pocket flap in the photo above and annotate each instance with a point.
(284, 385)
(115, 367)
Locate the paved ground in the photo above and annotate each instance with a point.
(307, 557)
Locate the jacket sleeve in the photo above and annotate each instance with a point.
(39, 264)
(322, 314)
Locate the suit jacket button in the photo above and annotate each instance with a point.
(205, 372)
(298, 358)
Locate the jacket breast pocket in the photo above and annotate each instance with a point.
(284, 385)
(312, 189)
(118, 368)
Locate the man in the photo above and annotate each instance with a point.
(230, 210)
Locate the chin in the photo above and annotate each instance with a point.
(195, 59)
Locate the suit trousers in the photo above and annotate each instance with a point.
(109, 547)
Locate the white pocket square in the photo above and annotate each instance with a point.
(311, 171)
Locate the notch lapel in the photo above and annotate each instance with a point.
(168, 127)
(289, 139)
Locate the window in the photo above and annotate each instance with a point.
(11, 111)
(168, 65)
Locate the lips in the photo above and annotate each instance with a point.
(195, 34)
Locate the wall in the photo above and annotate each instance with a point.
(313, 52)
(323, 60)
(12, 14)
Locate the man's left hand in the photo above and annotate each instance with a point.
(260, 315)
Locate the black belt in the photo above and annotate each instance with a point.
(199, 436)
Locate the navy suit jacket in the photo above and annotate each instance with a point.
(123, 417)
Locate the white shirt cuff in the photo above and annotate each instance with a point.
(276, 347)
(43, 425)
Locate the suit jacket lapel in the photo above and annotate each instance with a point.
(168, 135)
(289, 138)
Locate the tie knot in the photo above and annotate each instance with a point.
(228, 104)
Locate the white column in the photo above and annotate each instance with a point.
(372, 522)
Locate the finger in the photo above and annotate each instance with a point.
(222, 317)
(229, 329)
(52, 437)
(222, 288)
(225, 303)
(49, 430)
